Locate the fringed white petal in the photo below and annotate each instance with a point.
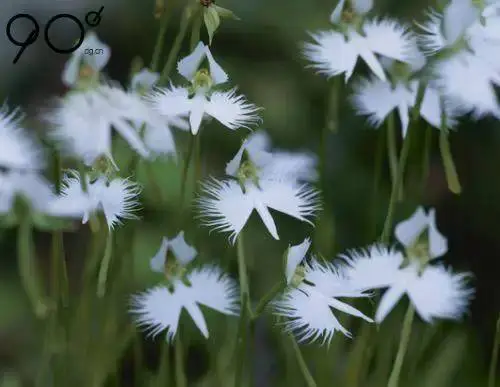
(170, 101)
(231, 110)
(388, 38)
(388, 301)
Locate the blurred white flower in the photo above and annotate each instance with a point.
(144, 80)
(409, 231)
(334, 53)
(182, 252)
(231, 110)
(308, 308)
(274, 164)
(294, 257)
(117, 199)
(226, 207)
(189, 65)
(17, 149)
(159, 309)
(78, 58)
(360, 7)
(30, 185)
(83, 122)
(377, 99)
(434, 291)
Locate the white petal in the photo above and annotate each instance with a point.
(231, 110)
(364, 50)
(362, 7)
(432, 39)
(410, 229)
(212, 288)
(225, 207)
(294, 256)
(217, 74)
(129, 133)
(159, 140)
(431, 109)
(336, 15)
(157, 263)
(457, 17)
(144, 79)
(233, 165)
(288, 166)
(387, 37)
(188, 66)
(17, 149)
(439, 293)
(330, 54)
(404, 115)
(300, 202)
(72, 202)
(388, 301)
(157, 310)
(376, 267)
(198, 106)
(197, 316)
(183, 252)
(265, 215)
(171, 101)
(438, 244)
(346, 308)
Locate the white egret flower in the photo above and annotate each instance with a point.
(295, 255)
(334, 53)
(200, 99)
(377, 99)
(275, 164)
(80, 57)
(434, 291)
(117, 199)
(308, 308)
(159, 309)
(226, 207)
(409, 231)
(182, 252)
(17, 148)
(30, 185)
(84, 121)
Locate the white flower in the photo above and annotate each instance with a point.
(159, 309)
(377, 99)
(117, 199)
(84, 121)
(332, 53)
(360, 7)
(435, 292)
(144, 80)
(274, 164)
(79, 57)
(189, 65)
(407, 232)
(227, 208)
(28, 184)
(231, 110)
(308, 308)
(294, 257)
(183, 252)
(17, 149)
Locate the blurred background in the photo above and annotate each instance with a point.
(98, 346)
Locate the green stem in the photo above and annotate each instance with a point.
(393, 152)
(103, 270)
(163, 378)
(448, 164)
(494, 356)
(302, 364)
(268, 297)
(376, 189)
(403, 347)
(245, 307)
(155, 59)
(27, 267)
(195, 31)
(185, 169)
(176, 47)
(332, 116)
(427, 153)
(180, 376)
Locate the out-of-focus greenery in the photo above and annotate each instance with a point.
(262, 55)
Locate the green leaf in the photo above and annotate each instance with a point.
(212, 21)
(226, 13)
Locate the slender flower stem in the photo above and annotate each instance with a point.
(448, 164)
(185, 169)
(27, 267)
(393, 152)
(403, 347)
(494, 356)
(155, 59)
(163, 376)
(379, 157)
(176, 47)
(302, 364)
(426, 157)
(244, 316)
(180, 376)
(268, 297)
(103, 270)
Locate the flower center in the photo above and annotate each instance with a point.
(298, 276)
(202, 81)
(247, 172)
